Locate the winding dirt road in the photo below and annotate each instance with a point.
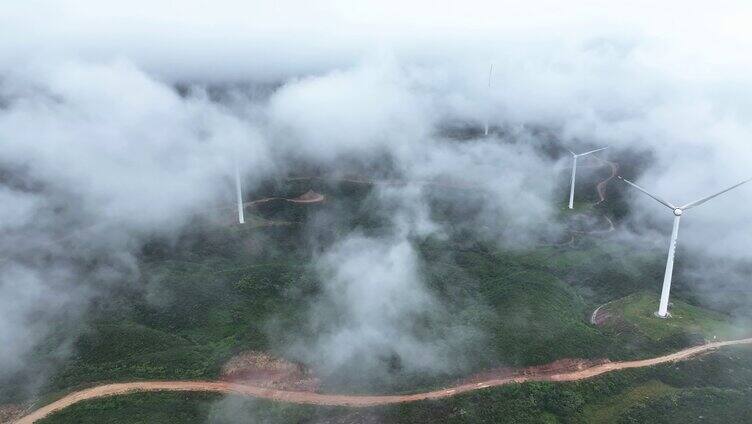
(356, 401)
(594, 318)
(601, 186)
(308, 197)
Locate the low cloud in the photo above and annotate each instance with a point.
(99, 150)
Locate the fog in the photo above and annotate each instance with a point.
(99, 151)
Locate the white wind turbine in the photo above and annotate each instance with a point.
(678, 211)
(239, 193)
(574, 171)
(490, 72)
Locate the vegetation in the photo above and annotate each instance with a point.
(219, 291)
(638, 311)
(164, 408)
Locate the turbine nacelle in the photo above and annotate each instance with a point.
(678, 212)
(576, 155)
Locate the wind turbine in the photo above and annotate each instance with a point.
(490, 72)
(678, 211)
(574, 171)
(239, 193)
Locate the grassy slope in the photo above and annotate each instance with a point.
(166, 408)
(638, 311)
(608, 411)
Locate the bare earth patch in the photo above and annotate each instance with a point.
(263, 370)
(309, 196)
(11, 412)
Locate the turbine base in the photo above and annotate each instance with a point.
(668, 315)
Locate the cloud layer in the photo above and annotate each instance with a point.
(99, 149)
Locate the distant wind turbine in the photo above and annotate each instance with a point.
(678, 211)
(490, 72)
(239, 193)
(574, 171)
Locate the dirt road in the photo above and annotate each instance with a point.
(601, 186)
(308, 197)
(301, 397)
(595, 318)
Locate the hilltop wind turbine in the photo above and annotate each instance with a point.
(574, 171)
(678, 211)
(490, 72)
(239, 193)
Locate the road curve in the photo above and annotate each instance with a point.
(354, 400)
(595, 313)
(600, 188)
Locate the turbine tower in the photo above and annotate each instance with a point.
(678, 212)
(239, 193)
(574, 171)
(490, 72)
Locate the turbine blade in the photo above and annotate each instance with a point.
(660, 200)
(705, 199)
(593, 151)
(573, 153)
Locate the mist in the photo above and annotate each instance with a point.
(110, 135)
